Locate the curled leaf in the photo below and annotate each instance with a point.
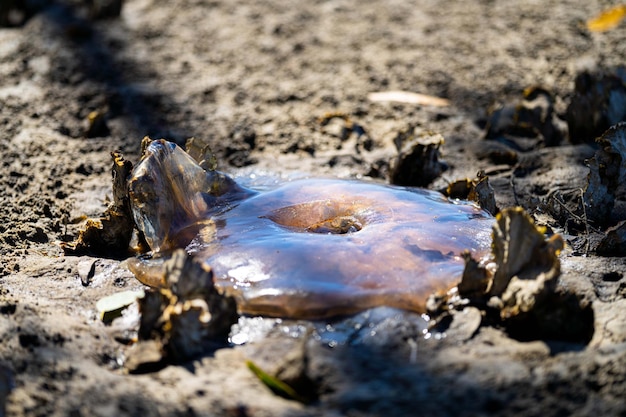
(187, 315)
(417, 162)
(518, 288)
(607, 174)
(478, 190)
(110, 234)
(202, 153)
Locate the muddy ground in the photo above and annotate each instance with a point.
(254, 78)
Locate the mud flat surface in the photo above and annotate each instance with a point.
(256, 79)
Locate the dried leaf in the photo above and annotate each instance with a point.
(408, 98)
(417, 163)
(597, 103)
(110, 234)
(608, 19)
(202, 153)
(607, 172)
(526, 266)
(188, 315)
(519, 249)
(478, 190)
(531, 116)
(614, 243)
(96, 125)
(111, 307)
(523, 295)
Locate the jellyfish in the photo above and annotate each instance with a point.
(307, 248)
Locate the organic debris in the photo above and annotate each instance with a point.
(417, 163)
(598, 102)
(111, 307)
(614, 242)
(586, 211)
(199, 150)
(277, 386)
(519, 283)
(408, 97)
(110, 234)
(96, 125)
(533, 116)
(187, 317)
(608, 19)
(478, 190)
(607, 174)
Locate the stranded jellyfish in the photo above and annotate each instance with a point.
(309, 248)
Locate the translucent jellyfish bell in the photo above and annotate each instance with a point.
(309, 248)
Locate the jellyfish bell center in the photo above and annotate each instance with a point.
(321, 216)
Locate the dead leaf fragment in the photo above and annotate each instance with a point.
(597, 103)
(96, 124)
(532, 116)
(614, 242)
(110, 234)
(417, 163)
(608, 19)
(200, 150)
(521, 252)
(111, 307)
(517, 287)
(188, 315)
(478, 190)
(408, 98)
(607, 173)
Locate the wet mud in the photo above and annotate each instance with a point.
(284, 89)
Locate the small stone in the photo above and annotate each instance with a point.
(464, 324)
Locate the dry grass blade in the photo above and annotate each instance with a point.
(275, 384)
(408, 98)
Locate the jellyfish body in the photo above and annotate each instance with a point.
(309, 248)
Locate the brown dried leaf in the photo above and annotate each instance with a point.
(417, 163)
(202, 153)
(524, 294)
(189, 314)
(607, 172)
(110, 234)
(478, 190)
(532, 116)
(597, 103)
(614, 242)
(526, 266)
(520, 249)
